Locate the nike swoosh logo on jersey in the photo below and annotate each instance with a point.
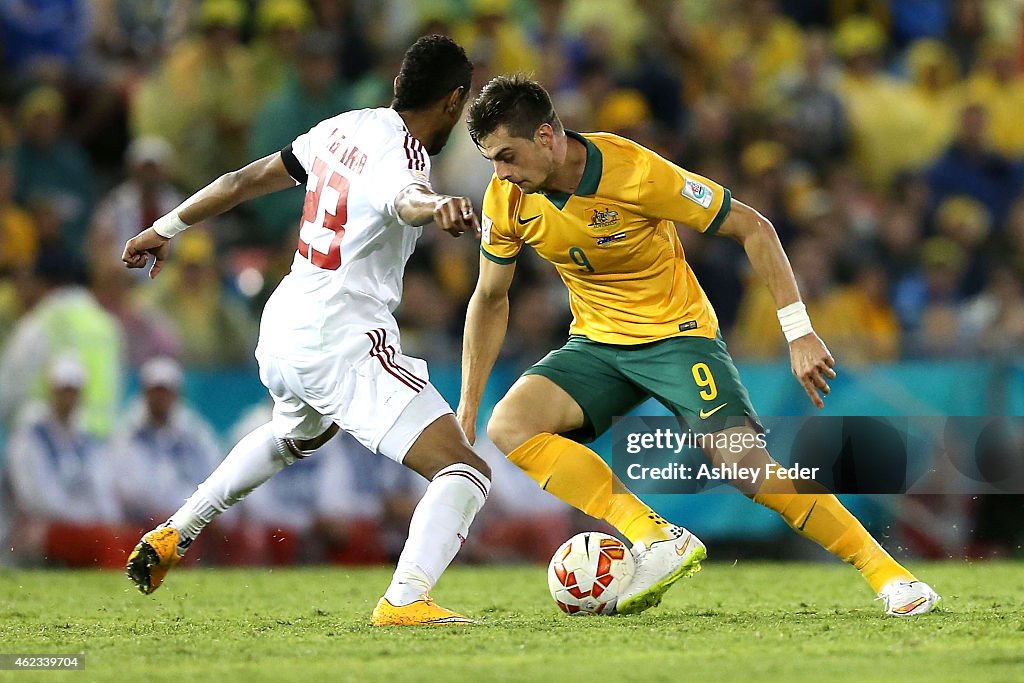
(528, 220)
(705, 414)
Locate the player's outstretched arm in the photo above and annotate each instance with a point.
(486, 324)
(261, 177)
(416, 205)
(810, 360)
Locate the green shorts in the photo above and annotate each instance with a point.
(694, 377)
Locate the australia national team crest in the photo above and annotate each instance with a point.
(698, 192)
(603, 219)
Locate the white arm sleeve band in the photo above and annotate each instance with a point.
(168, 226)
(794, 321)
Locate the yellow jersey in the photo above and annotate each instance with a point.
(613, 241)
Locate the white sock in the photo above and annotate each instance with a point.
(253, 460)
(438, 529)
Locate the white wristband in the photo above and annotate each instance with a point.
(168, 226)
(794, 321)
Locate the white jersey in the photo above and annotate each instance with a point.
(347, 273)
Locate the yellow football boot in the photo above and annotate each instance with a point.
(154, 556)
(423, 612)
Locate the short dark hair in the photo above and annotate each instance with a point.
(517, 102)
(433, 66)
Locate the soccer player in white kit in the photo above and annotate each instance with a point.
(329, 350)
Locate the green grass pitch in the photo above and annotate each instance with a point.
(749, 622)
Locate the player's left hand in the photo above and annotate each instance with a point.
(812, 364)
(466, 416)
(455, 216)
(137, 251)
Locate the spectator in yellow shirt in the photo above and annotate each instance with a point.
(215, 329)
(882, 135)
(275, 51)
(202, 100)
(772, 42)
(493, 38)
(999, 86)
(18, 239)
(859, 320)
(933, 100)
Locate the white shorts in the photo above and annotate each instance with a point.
(375, 393)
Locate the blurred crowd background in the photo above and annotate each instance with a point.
(881, 137)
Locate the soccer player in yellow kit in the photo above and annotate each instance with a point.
(602, 209)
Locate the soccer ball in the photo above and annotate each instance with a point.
(588, 572)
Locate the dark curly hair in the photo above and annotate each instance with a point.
(517, 102)
(433, 66)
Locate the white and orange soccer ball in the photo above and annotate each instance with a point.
(588, 572)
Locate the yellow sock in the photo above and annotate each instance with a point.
(823, 519)
(577, 475)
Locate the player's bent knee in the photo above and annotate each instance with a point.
(532, 409)
(463, 453)
(311, 445)
(298, 449)
(443, 444)
(453, 455)
(506, 432)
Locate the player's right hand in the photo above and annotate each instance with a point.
(455, 216)
(467, 420)
(137, 251)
